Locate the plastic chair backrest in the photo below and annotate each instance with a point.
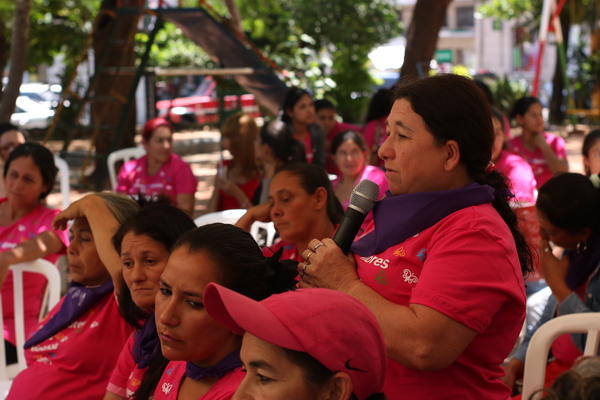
(232, 216)
(124, 155)
(65, 184)
(225, 217)
(50, 271)
(539, 346)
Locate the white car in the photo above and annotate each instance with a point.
(30, 114)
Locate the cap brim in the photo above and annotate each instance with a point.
(241, 314)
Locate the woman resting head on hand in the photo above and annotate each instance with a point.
(205, 355)
(76, 346)
(302, 345)
(302, 205)
(144, 243)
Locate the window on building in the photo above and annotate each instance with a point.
(465, 17)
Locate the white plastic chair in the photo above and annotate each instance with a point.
(50, 271)
(124, 155)
(225, 217)
(539, 346)
(65, 185)
(232, 216)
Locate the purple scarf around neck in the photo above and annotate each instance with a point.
(231, 361)
(581, 266)
(397, 218)
(146, 344)
(77, 301)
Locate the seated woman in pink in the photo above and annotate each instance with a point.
(160, 171)
(74, 349)
(26, 232)
(523, 184)
(349, 151)
(544, 152)
(301, 205)
(237, 179)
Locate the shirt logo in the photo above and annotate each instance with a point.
(422, 255)
(409, 276)
(400, 252)
(381, 278)
(347, 365)
(166, 387)
(376, 261)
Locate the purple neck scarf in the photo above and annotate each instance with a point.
(146, 344)
(77, 301)
(231, 361)
(581, 266)
(397, 218)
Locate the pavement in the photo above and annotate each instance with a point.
(201, 150)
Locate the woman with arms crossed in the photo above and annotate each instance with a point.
(442, 267)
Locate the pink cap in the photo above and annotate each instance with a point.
(333, 327)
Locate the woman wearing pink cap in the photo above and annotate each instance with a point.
(160, 171)
(305, 344)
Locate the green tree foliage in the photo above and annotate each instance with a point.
(323, 45)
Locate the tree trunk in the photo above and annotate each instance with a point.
(119, 54)
(422, 35)
(557, 108)
(3, 49)
(235, 20)
(18, 59)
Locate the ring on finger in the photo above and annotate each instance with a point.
(317, 246)
(308, 256)
(547, 250)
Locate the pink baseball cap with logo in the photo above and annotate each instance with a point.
(334, 328)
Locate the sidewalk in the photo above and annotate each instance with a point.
(200, 149)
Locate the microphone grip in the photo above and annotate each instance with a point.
(348, 229)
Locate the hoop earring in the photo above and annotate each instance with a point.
(581, 247)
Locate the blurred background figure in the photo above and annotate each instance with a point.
(374, 131)
(298, 111)
(160, 171)
(237, 179)
(591, 153)
(274, 149)
(10, 137)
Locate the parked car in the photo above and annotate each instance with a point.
(30, 114)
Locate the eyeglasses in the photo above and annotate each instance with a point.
(353, 154)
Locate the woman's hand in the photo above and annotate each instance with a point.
(325, 266)
(539, 140)
(77, 209)
(554, 270)
(513, 370)
(261, 212)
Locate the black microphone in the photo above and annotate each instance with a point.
(362, 200)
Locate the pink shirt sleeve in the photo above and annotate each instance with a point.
(184, 179)
(125, 177)
(117, 383)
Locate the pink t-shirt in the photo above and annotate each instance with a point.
(173, 178)
(520, 175)
(466, 267)
(76, 362)
(536, 158)
(308, 148)
(37, 221)
(172, 378)
(371, 173)
(126, 377)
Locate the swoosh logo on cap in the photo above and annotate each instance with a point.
(348, 366)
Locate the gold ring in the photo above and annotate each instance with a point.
(547, 250)
(317, 246)
(308, 256)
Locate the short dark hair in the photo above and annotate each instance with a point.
(42, 157)
(279, 137)
(380, 105)
(324, 104)
(570, 202)
(241, 265)
(341, 137)
(7, 127)
(311, 178)
(522, 105)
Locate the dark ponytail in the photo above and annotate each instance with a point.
(454, 108)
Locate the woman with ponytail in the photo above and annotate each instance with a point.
(204, 355)
(442, 265)
(568, 211)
